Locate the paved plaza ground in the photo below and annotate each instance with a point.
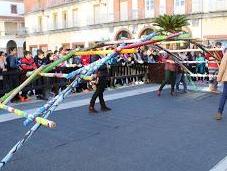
(143, 132)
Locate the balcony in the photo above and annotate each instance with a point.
(17, 32)
(54, 3)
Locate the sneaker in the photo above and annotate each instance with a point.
(173, 94)
(105, 109)
(141, 82)
(38, 97)
(92, 110)
(215, 91)
(178, 90)
(218, 116)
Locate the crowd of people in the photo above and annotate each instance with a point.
(174, 74)
(205, 64)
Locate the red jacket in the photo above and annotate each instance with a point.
(170, 65)
(85, 60)
(212, 62)
(27, 64)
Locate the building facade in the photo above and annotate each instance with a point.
(12, 25)
(71, 23)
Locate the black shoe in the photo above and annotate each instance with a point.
(105, 109)
(41, 97)
(92, 110)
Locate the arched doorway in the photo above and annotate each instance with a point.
(145, 32)
(123, 34)
(11, 44)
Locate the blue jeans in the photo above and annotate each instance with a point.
(181, 78)
(223, 98)
(213, 80)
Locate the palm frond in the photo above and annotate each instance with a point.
(171, 23)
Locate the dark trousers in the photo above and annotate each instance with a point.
(98, 93)
(14, 83)
(223, 98)
(1, 88)
(45, 90)
(170, 77)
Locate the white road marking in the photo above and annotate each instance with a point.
(77, 103)
(221, 165)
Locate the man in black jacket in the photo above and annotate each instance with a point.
(101, 83)
(40, 59)
(13, 64)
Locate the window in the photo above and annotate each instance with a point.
(134, 10)
(40, 24)
(179, 6)
(13, 9)
(124, 10)
(149, 8)
(55, 21)
(179, 3)
(149, 5)
(97, 16)
(64, 20)
(146, 32)
(197, 6)
(162, 7)
(39, 4)
(195, 22)
(75, 17)
(123, 35)
(220, 5)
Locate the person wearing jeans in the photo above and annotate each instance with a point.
(222, 77)
(180, 77)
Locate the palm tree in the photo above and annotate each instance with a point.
(171, 23)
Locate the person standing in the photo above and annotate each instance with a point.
(200, 66)
(222, 77)
(170, 76)
(101, 82)
(13, 67)
(213, 67)
(27, 63)
(12, 60)
(180, 77)
(40, 60)
(2, 69)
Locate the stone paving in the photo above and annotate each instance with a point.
(141, 133)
